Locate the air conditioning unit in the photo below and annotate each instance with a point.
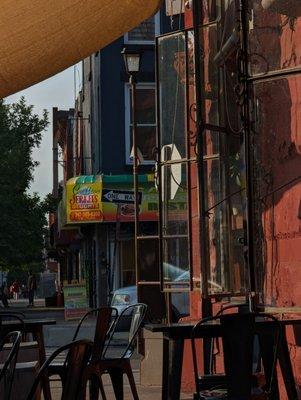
(291, 8)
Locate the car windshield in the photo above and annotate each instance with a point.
(121, 299)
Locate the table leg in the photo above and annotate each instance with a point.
(39, 337)
(266, 342)
(172, 368)
(286, 367)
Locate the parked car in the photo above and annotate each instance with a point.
(127, 295)
(121, 299)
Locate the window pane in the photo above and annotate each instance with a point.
(172, 94)
(275, 31)
(174, 200)
(191, 97)
(146, 141)
(209, 9)
(210, 73)
(148, 260)
(145, 106)
(143, 32)
(226, 204)
(175, 253)
(211, 143)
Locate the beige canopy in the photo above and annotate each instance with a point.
(39, 38)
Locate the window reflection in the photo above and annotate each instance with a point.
(274, 35)
(172, 92)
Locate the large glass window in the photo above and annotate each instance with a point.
(146, 122)
(177, 153)
(223, 184)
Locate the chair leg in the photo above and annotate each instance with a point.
(116, 375)
(94, 388)
(102, 390)
(129, 373)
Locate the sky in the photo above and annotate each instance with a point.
(57, 91)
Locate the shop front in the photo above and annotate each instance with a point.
(101, 207)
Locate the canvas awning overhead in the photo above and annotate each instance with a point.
(39, 38)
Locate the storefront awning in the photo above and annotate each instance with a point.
(40, 38)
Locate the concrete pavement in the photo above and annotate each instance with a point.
(144, 392)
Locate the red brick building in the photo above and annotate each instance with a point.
(238, 155)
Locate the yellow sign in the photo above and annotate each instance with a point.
(84, 199)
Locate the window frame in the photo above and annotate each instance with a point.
(127, 119)
(185, 162)
(157, 32)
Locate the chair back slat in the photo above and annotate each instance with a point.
(106, 318)
(78, 358)
(8, 370)
(136, 313)
(79, 353)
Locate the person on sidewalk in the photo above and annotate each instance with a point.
(16, 289)
(32, 286)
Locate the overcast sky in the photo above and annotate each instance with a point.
(57, 91)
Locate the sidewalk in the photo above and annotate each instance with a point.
(144, 392)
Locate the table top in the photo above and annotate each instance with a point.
(30, 322)
(208, 329)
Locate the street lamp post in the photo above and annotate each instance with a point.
(132, 60)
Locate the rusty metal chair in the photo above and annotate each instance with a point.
(7, 370)
(105, 321)
(237, 331)
(116, 365)
(73, 388)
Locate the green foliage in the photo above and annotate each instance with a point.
(50, 203)
(22, 220)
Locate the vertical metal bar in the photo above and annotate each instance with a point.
(135, 175)
(200, 129)
(188, 164)
(246, 128)
(159, 182)
(206, 302)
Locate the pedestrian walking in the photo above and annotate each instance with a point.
(16, 289)
(32, 286)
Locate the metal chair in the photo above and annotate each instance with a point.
(116, 365)
(8, 369)
(105, 320)
(79, 353)
(237, 331)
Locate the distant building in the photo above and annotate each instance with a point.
(96, 149)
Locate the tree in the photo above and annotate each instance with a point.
(22, 220)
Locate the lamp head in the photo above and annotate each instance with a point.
(132, 61)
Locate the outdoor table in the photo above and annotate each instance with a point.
(35, 327)
(174, 335)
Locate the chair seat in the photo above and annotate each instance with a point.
(214, 394)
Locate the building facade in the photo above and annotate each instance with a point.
(101, 148)
(236, 144)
